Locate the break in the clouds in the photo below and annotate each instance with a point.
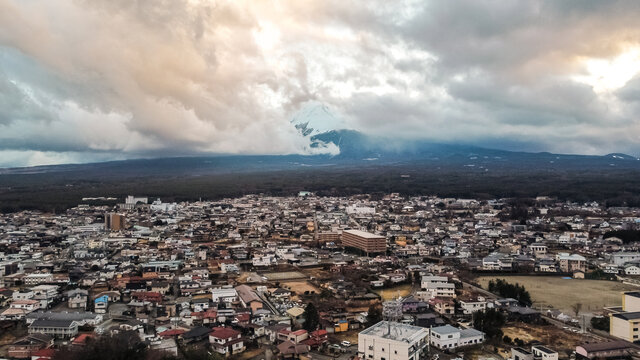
(95, 80)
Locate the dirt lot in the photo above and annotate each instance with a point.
(318, 273)
(393, 292)
(561, 294)
(299, 287)
(284, 276)
(558, 339)
(351, 336)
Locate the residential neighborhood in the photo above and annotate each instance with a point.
(364, 277)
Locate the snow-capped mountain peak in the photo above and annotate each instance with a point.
(316, 118)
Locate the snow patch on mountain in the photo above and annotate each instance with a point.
(316, 118)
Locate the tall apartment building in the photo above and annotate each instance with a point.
(364, 241)
(114, 222)
(392, 340)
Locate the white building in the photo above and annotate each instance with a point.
(449, 337)
(543, 353)
(224, 295)
(471, 306)
(35, 279)
(392, 340)
(360, 210)
(433, 286)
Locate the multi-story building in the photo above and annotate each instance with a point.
(114, 222)
(571, 263)
(36, 279)
(364, 241)
(56, 328)
(226, 341)
(449, 337)
(625, 324)
(392, 340)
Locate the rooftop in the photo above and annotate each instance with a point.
(396, 331)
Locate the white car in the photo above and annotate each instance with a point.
(345, 343)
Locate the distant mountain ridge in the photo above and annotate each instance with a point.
(356, 150)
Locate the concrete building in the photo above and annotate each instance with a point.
(114, 222)
(625, 324)
(543, 353)
(392, 340)
(449, 337)
(364, 241)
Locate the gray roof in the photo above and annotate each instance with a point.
(52, 323)
(69, 316)
(445, 330)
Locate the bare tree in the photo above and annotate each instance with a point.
(576, 308)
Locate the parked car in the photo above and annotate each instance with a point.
(345, 343)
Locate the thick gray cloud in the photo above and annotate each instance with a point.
(91, 80)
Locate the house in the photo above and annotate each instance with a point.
(296, 314)
(196, 334)
(632, 269)
(291, 350)
(296, 337)
(101, 304)
(317, 339)
(392, 340)
(77, 299)
(281, 293)
(442, 305)
(271, 331)
(448, 337)
(25, 347)
(226, 341)
(472, 305)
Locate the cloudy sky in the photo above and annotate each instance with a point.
(91, 80)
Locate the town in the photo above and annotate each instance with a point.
(379, 276)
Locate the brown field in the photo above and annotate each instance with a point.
(393, 292)
(561, 294)
(299, 287)
(564, 342)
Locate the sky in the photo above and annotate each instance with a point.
(97, 80)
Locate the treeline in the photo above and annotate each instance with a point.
(627, 236)
(128, 346)
(56, 192)
(507, 290)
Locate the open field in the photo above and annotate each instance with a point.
(300, 287)
(561, 294)
(393, 292)
(284, 276)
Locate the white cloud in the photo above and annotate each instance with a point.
(166, 77)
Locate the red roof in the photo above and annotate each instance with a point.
(171, 332)
(320, 332)
(81, 339)
(224, 333)
(44, 353)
